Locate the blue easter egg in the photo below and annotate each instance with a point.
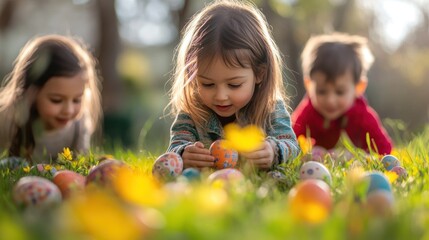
(389, 162)
(377, 181)
(191, 174)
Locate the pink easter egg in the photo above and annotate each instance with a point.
(168, 166)
(227, 174)
(69, 182)
(33, 191)
(104, 173)
(224, 158)
(402, 173)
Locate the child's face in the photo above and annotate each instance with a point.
(331, 99)
(223, 89)
(59, 101)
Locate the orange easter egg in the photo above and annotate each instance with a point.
(68, 182)
(224, 158)
(310, 201)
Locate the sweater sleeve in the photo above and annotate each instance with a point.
(282, 135)
(182, 133)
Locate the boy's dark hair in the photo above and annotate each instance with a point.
(334, 54)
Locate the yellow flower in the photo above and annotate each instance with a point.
(138, 188)
(47, 167)
(67, 154)
(305, 143)
(246, 139)
(310, 212)
(26, 169)
(391, 176)
(210, 200)
(101, 216)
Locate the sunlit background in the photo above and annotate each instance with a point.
(134, 41)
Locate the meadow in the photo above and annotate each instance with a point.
(137, 206)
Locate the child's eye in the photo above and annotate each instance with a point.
(207, 85)
(340, 93)
(78, 100)
(320, 92)
(234, 85)
(56, 101)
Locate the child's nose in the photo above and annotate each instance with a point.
(221, 95)
(68, 108)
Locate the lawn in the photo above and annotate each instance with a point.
(134, 205)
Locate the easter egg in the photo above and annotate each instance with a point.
(191, 174)
(69, 182)
(402, 173)
(315, 170)
(318, 153)
(168, 166)
(13, 163)
(33, 191)
(224, 158)
(389, 162)
(310, 201)
(104, 173)
(379, 203)
(377, 181)
(227, 175)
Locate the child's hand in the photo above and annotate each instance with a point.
(196, 155)
(263, 157)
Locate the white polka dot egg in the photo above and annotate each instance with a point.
(315, 170)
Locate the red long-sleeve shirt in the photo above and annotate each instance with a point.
(359, 120)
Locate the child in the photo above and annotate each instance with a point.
(229, 70)
(50, 100)
(334, 68)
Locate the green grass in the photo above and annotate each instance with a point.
(257, 208)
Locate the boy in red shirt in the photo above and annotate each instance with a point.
(334, 68)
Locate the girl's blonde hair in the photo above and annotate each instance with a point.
(40, 59)
(238, 33)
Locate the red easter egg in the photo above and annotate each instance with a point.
(103, 173)
(69, 182)
(310, 201)
(224, 158)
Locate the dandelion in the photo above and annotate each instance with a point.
(66, 154)
(138, 188)
(391, 176)
(305, 143)
(244, 139)
(47, 167)
(26, 169)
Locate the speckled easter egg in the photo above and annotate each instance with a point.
(33, 191)
(227, 174)
(224, 158)
(315, 170)
(168, 166)
(379, 203)
(69, 182)
(277, 176)
(104, 173)
(389, 162)
(377, 181)
(310, 201)
(402, 173)
(191, 174)
(13, 163)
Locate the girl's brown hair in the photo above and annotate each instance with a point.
(238, 33)
(39, 60)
